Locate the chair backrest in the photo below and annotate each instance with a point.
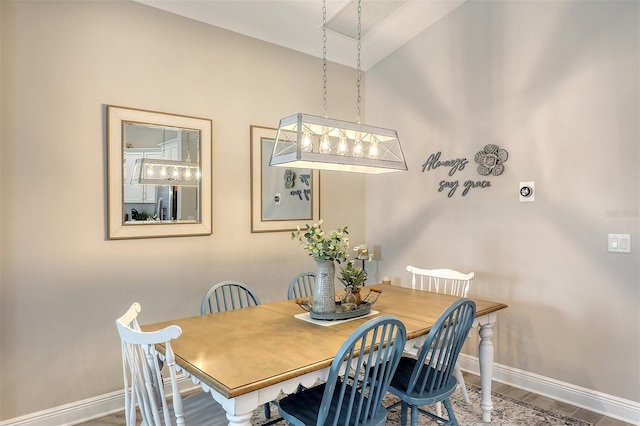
(227, 296)
(441, 281)
(439, 353)
(141, 367)
(302, 285)
(359, 397)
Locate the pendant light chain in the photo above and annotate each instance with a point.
(164, 138)
(324, 56)
(359, 49)
(188, 148)
(198, 147)
(320, 143)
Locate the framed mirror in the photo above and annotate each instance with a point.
(159, 174)
(282, 198)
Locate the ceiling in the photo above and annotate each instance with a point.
(297, 24)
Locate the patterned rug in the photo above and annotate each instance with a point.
(506, 412)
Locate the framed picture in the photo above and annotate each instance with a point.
(159, 174)
(282, 198)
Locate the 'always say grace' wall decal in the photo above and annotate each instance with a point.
(490, 161)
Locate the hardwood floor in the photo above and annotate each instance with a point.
(515, 393)
(548, 403)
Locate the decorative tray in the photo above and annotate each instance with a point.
(343, 310)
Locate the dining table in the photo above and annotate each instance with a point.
(247, 357)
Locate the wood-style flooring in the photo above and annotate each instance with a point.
(515, 393)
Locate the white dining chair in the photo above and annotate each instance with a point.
(143, 384)
(445, 281)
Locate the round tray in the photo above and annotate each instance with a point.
(343, 312)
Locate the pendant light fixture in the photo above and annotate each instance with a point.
(313, 142)
(149, 171)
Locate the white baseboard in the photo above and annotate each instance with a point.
(85, 410)
(608, 405)
(598, 402)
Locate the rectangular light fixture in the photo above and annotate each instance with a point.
(148, 171)
(313, 142)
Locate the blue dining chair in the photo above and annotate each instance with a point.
(227, 296)
(302, 285)
(429, 378)
(357, 381)
(445, 281)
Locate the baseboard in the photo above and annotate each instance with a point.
(598, 402)
(608, 405)
(85, 410)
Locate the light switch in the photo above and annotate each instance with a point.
(619, 243)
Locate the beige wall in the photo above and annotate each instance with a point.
(62, 283)
(557, 85)
(554, 83)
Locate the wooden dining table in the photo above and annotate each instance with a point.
(246, 357)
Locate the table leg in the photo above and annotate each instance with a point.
(485, 355)
(240, 419)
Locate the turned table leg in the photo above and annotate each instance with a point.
(239, 420)
(485, 355)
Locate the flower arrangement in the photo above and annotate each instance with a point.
(321, 245)
(352, 276)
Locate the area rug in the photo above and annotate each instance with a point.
(506, 412)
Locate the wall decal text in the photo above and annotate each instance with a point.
(490, 162)
(467, 186)
(433, 162)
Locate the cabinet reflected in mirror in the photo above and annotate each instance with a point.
(159, 174)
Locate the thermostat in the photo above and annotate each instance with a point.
(527, 192)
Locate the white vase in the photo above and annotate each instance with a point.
(324, 294)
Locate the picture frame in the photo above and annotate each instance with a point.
(282, 198)
(194, 205)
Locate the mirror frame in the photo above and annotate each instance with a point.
(116, 228)
(257, 224)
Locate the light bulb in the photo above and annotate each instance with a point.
(149, 170)
(373, 150)
(176, 173)
(306, 142)
(357, 150)
(325, 146)
(187, 173)
(342, 145)
(163, 171)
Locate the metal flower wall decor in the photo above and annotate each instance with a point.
(490, 160)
